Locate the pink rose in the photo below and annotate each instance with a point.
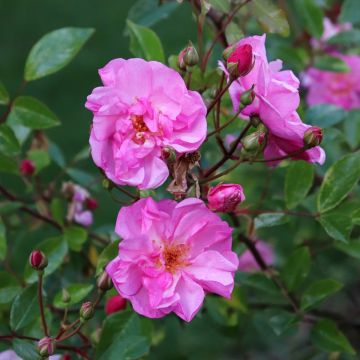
(247, 261)
(171, 255)
(338, 88)
(276, 100)
(225, 197)
(142, 107)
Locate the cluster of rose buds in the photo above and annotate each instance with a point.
(27, 168)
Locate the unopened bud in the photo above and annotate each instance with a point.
(191, 57)
(65, 296)
(114, 304)
(27, 167)
(104, 281)
(247, 97)
(225, 197)
(168, 154)
(255, 142)
(46, 347)
(243, 58)
(228, 51)
(255, 120)
(86, 311)
(313, 136)
(38, 260)
(107, 184)
(91, 203)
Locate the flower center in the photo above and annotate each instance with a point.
(175, 257)
(138, 123)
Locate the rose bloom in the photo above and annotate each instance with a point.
(171, 255)
(247, 261)
(225, 197)
(338, 88)
(142, 107)
(276, 100)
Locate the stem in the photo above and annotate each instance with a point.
(223, 126)
(41, 305)
(128, 193)
(188, 81)
(218, 96)
(290, 155)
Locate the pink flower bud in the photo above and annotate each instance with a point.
(313, 136)
(114, 304)
(243, 57)
(27, 167)
(225, 197)
(86, 311)
(38, 260)
(46, 347)
(247, 97)
(91, 203)
(188, 57)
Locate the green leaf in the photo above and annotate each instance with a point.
(9, 287)
(351, 248)
(298, 180)
(122, 337)
(55, 249)
(331, 63)
(149, 12)
(311, 15)
(9, 144)
(261, 283)
(3, 243)
(57, 210)
(346, 38)
(56, 155)
(4, 95)
(319, 291)
(270, 17)
(268, 220)
(352, 128)
(32, 113)
(296, 268)
(327, 337)
(75, 236)
(220, 5)
(337, 225)
(350, 12)
(25, 308)
(54, 51)
(25, 349)
(233, 33)
(80, 176)
(109, 253)
(325, 115)
(339, 180)
(220, 311)
(280, 320)
(77, 293)
(356, 217)
(8, 165)
(145, 43)
(40, 158)
(7, 207)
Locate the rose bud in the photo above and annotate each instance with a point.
(66, 356)
(240, 62)
(247, 97)
(225, 197)
(91, 203)
(38, 260)
(255, 120)
(114, 304)
(168, 154)
(27, 167)
(104, 281)
(86, 311)
(313, 136)
(181, 63)
(228, 51)
(255, 142)
(191, 57)
(46, 347)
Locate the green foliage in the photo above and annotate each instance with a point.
(331, 63)
(4, 95)
(311, 15)
(75, 236)
(77, 292)
(9, 144)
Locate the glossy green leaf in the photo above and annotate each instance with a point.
(9, 287)
(32, 113)
(26, 349)
(355, 217)
(339, 180)
(337, 225)
(8, 165)
(327, 337)
(331, 63)
(77, 292)
(109, 253)
(220, 311)
(352, 248)
(325, 115)
(319, 291)
(262, 283)
(9, 144)
(122, 338)
(25, 308)
(54, 51)
(145, 43)
(296, 268)
(352, 128)
(298, 180)
(3, 243)
(55, 249)
(268, 220)
(80, 176)
(4, 95)
(270, 17)
(56, 155)
(311, 15)
(280, 320)
(40, 158)
(233, 33)
(75, 236)
(350, 12)
(57, 210)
